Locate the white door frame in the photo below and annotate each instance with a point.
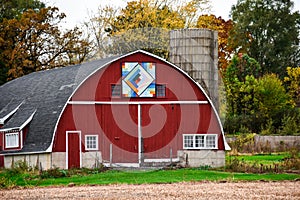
(67, 148)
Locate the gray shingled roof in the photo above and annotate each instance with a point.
(43, 94)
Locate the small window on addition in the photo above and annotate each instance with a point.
(91, 142)
(160, 90)
(115, 90)
(12, 140)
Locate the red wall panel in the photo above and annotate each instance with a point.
(162, 125)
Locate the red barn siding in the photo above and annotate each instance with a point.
(162, 126)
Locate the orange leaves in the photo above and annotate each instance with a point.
(34, 42)
(223, 27)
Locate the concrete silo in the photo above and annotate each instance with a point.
(196, 52)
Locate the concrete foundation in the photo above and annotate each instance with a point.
(59, 160)
(91, 159)
(197, 158)
(33, 160)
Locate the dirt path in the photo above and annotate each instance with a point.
(195, 190)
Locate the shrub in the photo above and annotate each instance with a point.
(290, 125)
(6, 182)
(54, 173)
(243, 143)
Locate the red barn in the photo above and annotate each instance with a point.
(131, 110)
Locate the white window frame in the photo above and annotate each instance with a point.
(86, 142)
(12, 136)
(205, 144)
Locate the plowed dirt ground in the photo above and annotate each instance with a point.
(188, 190)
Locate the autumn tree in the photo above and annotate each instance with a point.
(13, 9)
(268, 31)
(10, 10)
(96, 29)
(223, 27)
(34, 42)
(145, 24)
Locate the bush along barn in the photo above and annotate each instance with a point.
(133, 110)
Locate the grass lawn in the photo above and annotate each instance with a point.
(144, 177)
(266, 159)
(11, 178)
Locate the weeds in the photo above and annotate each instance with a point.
(289, 163)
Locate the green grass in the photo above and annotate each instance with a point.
(266, 159)
(17, 177)
(145, 177)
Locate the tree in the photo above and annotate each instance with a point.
(293, 83)
(96, 26)
(268, 31)
(223, 27)
(13, 9)
(34, 43)
(272, 96)
(191, 10)
(144, 24)
(240, 82)
(256, 102)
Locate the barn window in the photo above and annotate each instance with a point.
(188, 141)
(12, 140)
(199, 141)
(160, 90)
(115, 90)
(91, 142)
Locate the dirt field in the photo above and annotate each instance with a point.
(195, 190)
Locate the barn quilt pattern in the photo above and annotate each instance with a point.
(138, 79)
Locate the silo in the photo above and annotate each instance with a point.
(196, 52)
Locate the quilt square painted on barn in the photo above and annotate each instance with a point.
(138, 79)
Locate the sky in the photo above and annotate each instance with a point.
(78, 11)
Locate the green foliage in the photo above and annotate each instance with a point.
(290, 124)
(244, 142)
(268, 129)
(54, 172)
(6, 183)
(14, 8)
(268, 31)
(292, 81)
(147, 177)
(264, 163)
(257, 103)
(240, 84)
(272, 96)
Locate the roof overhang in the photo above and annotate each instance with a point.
(14, 129)
(3, 119)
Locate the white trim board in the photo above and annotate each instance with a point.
(134, 102)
